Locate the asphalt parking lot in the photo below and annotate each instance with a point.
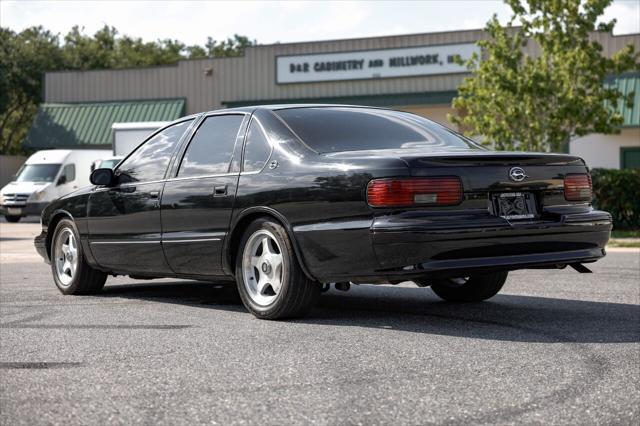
(555, 347)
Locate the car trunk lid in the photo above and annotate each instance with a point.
(483, 171)
(492, 180)
(498, 172)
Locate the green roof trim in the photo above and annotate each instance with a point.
(626, 84)
(88, 125)
(386, 100)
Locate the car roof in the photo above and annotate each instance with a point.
(271, 107)
(277, 107)
(48, 156)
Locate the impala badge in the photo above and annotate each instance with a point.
(517, 174)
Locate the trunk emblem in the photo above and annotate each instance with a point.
(517, 174)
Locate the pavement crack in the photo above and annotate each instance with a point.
(37, 365)
(30, 318)
(96, 326)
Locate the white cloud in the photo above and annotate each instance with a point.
(269, 21)
(627, 15)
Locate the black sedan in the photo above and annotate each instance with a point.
(287, 199)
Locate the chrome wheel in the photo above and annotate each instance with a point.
(262, 267)
(66, 256)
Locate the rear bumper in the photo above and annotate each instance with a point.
(413, 244)
(463, 267)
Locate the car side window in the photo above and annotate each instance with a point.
(257, 148)
(69, 172)
(211, 148)
(149, 161)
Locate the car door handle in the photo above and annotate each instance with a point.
(154, 194)
(125, 189)
(219, 190)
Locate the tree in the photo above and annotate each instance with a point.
(229, 47)
(23, 58)
(520, 102)
(26, 56)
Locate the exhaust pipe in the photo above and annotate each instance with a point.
(581, 268)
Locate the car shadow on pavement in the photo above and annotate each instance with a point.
(15, 238)
(504, 317)
(190, 293)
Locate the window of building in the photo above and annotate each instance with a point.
(211, 148)
(630, 158)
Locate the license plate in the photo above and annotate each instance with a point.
(514, 205)
(13, 211)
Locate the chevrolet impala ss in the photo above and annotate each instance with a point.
(287, 199)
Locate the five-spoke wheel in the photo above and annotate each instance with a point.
(71, 272)
(271, 282)
(262, 267)
(66, 256)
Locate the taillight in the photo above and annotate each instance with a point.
(577, 187)
(399, 192)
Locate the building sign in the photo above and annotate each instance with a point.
(370, 64)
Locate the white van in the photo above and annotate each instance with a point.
(45, 176)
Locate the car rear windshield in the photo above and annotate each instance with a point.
(38, 173)
(355, 129)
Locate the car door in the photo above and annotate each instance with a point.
(197, 201)
(124, 219)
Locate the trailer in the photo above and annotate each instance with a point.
(127, 136)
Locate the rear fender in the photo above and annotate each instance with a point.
(238, 226)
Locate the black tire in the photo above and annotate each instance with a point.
(297, 294)
(13, 219)
(475, 288)
(86, 280)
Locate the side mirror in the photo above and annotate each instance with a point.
(102, 177)
(62, 180)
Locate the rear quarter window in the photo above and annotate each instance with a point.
(257, 149)
(354, 129)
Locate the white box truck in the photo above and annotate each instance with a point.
(45, 176)
(127, 136)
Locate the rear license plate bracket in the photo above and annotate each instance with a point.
(514, 205)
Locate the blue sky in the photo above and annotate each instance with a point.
(270, 22)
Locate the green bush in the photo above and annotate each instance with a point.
(618, 192)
